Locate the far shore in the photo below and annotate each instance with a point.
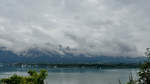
(87, 65)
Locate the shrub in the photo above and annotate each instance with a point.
(144, 73)
(33, 78)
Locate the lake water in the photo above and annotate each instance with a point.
(76, 75)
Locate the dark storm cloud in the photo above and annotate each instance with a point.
(97, 27)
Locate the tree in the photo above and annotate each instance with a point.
(144, 73)
(33, 78)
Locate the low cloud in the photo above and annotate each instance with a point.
(95, 27)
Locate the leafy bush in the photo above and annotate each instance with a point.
(33, 78)
(144, 73)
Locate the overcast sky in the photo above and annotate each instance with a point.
(98, 27)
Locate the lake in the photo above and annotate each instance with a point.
(76, 75)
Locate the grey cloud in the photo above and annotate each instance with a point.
(95, 27)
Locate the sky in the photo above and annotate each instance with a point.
(95, 27)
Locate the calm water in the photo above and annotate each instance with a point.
(77, 76)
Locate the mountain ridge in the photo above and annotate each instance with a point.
(45, 56)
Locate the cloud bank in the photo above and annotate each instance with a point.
(96, 27)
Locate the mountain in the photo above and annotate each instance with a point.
(45, 56)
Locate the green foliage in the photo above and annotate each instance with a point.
(33, 78)
(144, 73)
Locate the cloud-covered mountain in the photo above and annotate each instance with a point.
(98, 27)
(44, 56)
